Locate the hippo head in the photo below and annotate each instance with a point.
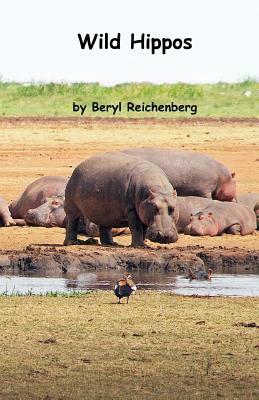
(50, 213)
(256, 209)
(159, 212)
(202, 224)
(227, 189)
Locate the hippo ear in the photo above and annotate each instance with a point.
(174, 193)
(233, 174)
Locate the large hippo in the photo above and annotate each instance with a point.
(222, 217)
(42, 202)
(119, 190)
(191, 173)
(250, 200)
(5, 215)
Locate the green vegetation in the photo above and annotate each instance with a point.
(53, 99)
(159, 346)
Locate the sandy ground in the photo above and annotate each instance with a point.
(31, 148)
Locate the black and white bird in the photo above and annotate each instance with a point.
(124, 287)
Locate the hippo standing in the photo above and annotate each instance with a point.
(5, 215)
(250, 200)
(42, 203)
(221, 217)
(119, 190)
(191, 173)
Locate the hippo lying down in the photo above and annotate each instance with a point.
(250, 200)
(222, 217)
(5, 215)
(191, 173)
(42, 204)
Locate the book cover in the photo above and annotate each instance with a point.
(129, 199)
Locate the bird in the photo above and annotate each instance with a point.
(124, 287)
(199, 274)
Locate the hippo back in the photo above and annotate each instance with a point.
(191, 173)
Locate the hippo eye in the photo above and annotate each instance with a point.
(155, 208)
(55, 203)
(170, 210)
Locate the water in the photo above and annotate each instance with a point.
(220, 284)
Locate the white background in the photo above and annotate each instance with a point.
(38, 40)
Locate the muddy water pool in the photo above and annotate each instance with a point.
(220, 284)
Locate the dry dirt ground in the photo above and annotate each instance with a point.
(33, 147)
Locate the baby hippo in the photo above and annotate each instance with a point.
(222, 217)
(5, 215)
(199, 274)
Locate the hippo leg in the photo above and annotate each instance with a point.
(233, 230)
(144, 231)
(136, 228)
(106, 236)
(20, 222)
(71, 231)
(8, 222)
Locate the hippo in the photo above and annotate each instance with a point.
(199, 274)
(42, 203)
(221, 217)
(118, 190)
(5, 215)
(187, 207)
(250, 200)
(191, 173)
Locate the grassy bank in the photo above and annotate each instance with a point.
(159, 346)
(213, 100)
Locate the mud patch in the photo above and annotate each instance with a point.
(89, 122)
(54, 261)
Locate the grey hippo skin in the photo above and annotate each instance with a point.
(42, 203)
(189, 206)
(250, 200)
(5, 215)
(222, 217)
(118, 190)
(191, 173)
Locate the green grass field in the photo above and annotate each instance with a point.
(159, 346)
(52, 99)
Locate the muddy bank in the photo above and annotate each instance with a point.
(55, 261)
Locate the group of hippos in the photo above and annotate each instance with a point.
(157, 193)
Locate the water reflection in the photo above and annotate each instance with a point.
(220, 285)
